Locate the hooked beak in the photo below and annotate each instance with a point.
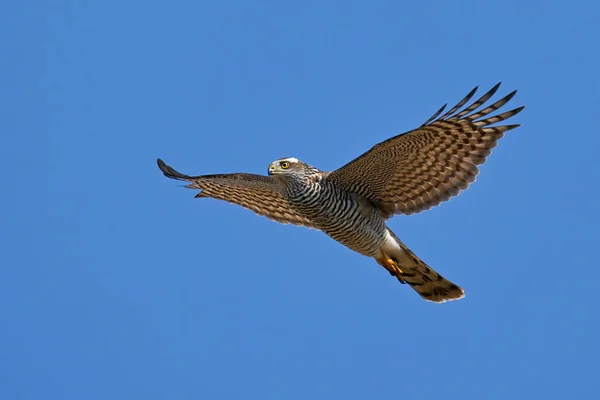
(271, 169)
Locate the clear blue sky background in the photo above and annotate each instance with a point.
(115, 283)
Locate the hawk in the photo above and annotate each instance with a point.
(405, 174)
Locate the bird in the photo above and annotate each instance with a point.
(403, 175)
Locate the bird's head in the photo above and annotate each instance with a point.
(291, 168)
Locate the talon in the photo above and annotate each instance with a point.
(393, 268)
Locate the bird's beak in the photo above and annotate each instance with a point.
(271, 169)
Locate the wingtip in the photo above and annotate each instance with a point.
(511, 127)
(434, 116)
(170, 172)
(493, 90)
(162, 166)
(509, 96)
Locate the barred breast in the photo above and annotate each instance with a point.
(349, 219)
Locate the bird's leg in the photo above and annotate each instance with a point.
(392, 266)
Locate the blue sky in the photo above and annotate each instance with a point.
(115, 283)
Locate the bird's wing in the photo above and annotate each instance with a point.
(421, 168)
(261, 194)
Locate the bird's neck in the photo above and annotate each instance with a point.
(301, 186)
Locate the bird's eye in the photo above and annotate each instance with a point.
(284, 165)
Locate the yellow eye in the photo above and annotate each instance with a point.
(284, 165)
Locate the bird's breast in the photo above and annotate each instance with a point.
(350, 219)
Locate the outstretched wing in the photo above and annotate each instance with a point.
(421, 168)
(261, 194)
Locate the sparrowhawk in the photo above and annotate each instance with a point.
(405, 174)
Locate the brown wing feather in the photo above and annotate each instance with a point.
(261, 194)
(421, 168)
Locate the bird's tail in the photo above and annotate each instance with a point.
(424, 280)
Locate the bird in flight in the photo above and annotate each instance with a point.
(405, 174)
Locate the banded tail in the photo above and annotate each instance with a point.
(423, 279)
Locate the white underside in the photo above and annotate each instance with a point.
(390, 247)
